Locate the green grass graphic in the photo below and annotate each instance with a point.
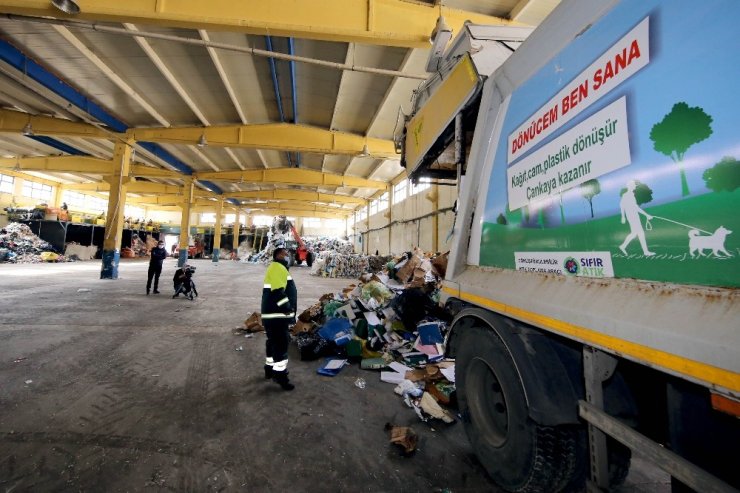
(669, 241)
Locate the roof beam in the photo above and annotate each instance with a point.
(149, 171)
(59, 164)
(296, 195)
(382, 22)
(275, 136)
(15, 121)
(295, 204)
(271, 210)
(81, 164)
(132, 187)
(293, 176)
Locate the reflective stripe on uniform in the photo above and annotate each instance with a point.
(269, 361)
(280, 365)
(267, 286)
(266, 316)
(290, 278)
(283, 301)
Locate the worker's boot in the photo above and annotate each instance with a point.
(281, 377)
(268, 372)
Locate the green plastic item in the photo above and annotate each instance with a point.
(361, 328)
(330, 309)
(377, 290)
(354, 348)
(373, 364)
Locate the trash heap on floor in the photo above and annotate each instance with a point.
(279, 236)
(322, 244)
(389, 322)
(335, 264)
(19, 245)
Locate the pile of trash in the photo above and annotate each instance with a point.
(280, 235)
(390, 322)
(323, 244)
(74, 251)
(19, 245)
(334, 264)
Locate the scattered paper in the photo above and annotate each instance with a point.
(372, 318)
(391, 377)
(449, 373)
(399, 367)
(335, 364)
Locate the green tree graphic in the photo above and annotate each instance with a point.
(725, 175)
(643, 193)
(680, 129)
(589, 190)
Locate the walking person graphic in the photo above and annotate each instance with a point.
(631, 212)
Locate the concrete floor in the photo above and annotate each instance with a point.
(104, 388)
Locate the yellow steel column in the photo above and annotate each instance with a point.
(187, 202)
(367, 228)
(389, 215)
(217, 230)
(58, 192)
(116, 203)
(237, 229)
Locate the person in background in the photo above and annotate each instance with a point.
(279, 303)
(157, 256)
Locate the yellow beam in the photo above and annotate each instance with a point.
(272, 211)
(15, 121)
(24, 176)
(59, 164)
(296, 204)
(162, 199)
(296, 195)
(382, 22)
(276, 136)
(141, 170)
(133, 187)
(293, 176)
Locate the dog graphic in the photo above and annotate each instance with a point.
(715, 242)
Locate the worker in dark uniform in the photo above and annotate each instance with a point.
(279, 302)
(157, 256)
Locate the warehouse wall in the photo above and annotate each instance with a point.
(412, 224)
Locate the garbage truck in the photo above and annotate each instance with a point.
(595, 261)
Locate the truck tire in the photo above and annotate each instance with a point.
(519, 454)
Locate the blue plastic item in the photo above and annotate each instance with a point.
(430, 333)
(338, 330)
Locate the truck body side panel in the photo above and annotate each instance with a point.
(618, 157)
(602, 191)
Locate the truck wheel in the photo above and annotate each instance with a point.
(309, 259)
(519, 454)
